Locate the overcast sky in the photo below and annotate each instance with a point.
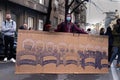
(95, 13)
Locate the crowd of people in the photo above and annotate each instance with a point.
(8, 33)
(113, 41)
(9, 28)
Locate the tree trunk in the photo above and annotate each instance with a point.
(48, 13)
(66, 8)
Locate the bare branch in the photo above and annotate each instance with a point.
(77, 6)
(71, 3)
(84, 5)
(66, 8)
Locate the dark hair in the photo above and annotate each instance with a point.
(108, 31)
(118, 21)
(29, 28)
(102, 31)
(88, 29)
(69, 14)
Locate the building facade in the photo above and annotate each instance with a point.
(80, 15)
(111, 18)
(58, 12)
(31, 12)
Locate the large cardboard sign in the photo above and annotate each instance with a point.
(58, 53)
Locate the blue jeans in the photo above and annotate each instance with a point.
(114, 54)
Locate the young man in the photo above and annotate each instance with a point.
(8, 29)
(116, 43)
(69, 27)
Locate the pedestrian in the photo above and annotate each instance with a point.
(110, 42)
(8, 29)
(47, 26)
(102, 31)
(24, 27)
(116, 43)
(68, 26)
(89, 31)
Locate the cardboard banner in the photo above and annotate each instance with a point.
(53, 52)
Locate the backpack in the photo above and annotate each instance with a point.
(5, 23)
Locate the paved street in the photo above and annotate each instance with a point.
(7, 73)
(37, 32)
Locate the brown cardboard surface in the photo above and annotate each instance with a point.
(52, 52)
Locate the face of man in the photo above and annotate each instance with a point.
(8, 17)
(68, 18)
(25, 26)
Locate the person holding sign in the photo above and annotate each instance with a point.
(69, 27)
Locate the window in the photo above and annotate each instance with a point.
(30, 22)
(56, 4)
(1, 19)
(40, 27)
(14, 16)
(55, 22)
(60, 20)
(41, 2)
